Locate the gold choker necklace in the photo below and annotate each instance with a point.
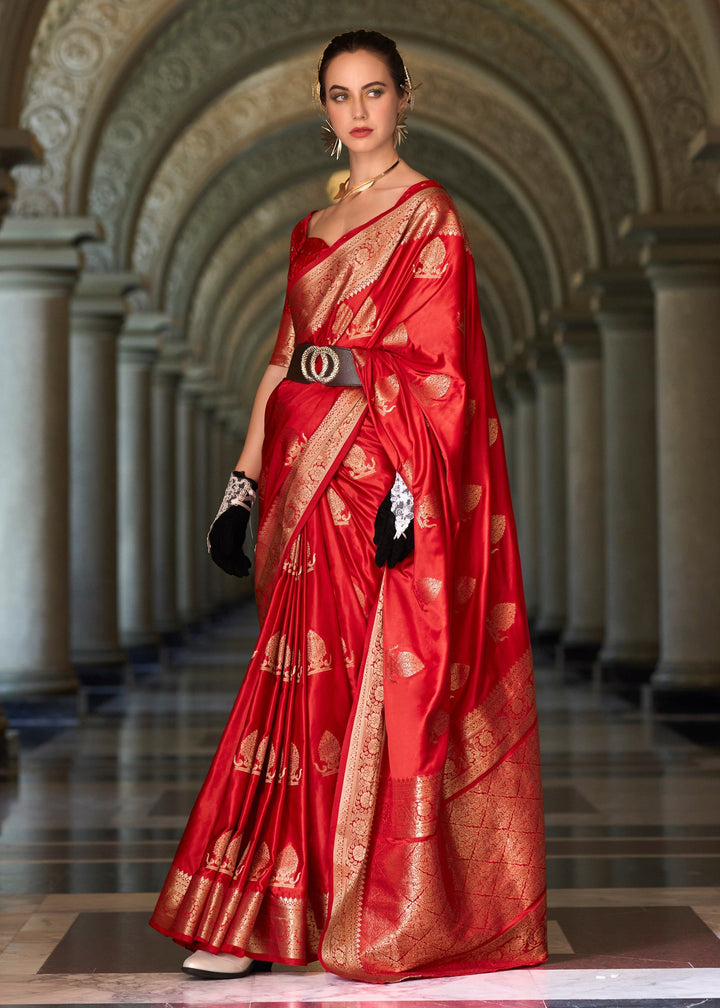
(343, 193)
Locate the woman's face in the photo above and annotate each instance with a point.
(361, 100)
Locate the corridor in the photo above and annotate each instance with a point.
(633, 828)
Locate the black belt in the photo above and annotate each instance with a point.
(324, 364)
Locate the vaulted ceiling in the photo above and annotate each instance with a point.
(187, 127)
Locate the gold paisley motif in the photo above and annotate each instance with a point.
(260, 864)
(464, 587)
(328, 761)
(458, 676)
(431, 264)
(433, 388)
(259, 760)
(287, 868)
(493, 430)
(318, 658)
(403, 664)
(271, 765)
(498, 524)
(500, 619)
(293, 565)
(428, 589)
(397, 337)
(347, 655)
(358, 464)
(386, 392)
(427, 511)
(278, 659)
(471, 494)
(339, 512)
(214, 857)
(244, 759)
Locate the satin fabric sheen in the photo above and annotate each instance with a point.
(375, 797)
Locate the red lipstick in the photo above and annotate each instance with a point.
(360, 131)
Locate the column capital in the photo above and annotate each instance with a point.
(546, 361)
(520, 374)
(138, 349)
(103, 295)
(575, 334)
(619, 292)
(688, 241)
(44, 252)
(148, 323)
(173, 358)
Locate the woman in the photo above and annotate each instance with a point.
(375, 798)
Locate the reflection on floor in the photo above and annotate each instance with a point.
(633, 823)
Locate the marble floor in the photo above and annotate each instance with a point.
(87, 831)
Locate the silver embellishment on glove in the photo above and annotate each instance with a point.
(239, 492)
(401, 505)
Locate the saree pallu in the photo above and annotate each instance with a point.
(375, 798)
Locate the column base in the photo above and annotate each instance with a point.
(548, 629)
(9, 749)
(627, 664)
(686, 676)
(97, 656)
(24, 683)
(102, 667)
(581, 644)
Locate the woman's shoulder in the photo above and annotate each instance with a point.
(433, 202)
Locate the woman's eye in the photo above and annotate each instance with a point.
(376, 93)
(339, 97)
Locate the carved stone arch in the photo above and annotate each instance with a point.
(635, 52)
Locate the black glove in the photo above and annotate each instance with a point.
(394, 528)
(227, 533)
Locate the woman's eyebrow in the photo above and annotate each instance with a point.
(341, 87)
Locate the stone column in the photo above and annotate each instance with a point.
(683, 264)
(98, 312)
(186, 505)
(623, 306)
(138, 348)
(39, 266)
(552, 515)
(16, 147)
(166, 378)
(525, 502)
(579, 344)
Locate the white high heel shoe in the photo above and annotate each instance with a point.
(222, 966)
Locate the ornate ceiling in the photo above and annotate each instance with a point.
(187, 128)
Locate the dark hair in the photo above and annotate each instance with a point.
(370, 41)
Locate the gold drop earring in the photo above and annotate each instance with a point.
(331, 141)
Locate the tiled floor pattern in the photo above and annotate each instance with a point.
(633, 824)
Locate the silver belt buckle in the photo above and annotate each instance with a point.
(329, 358)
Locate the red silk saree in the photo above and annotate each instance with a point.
(375, 798)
